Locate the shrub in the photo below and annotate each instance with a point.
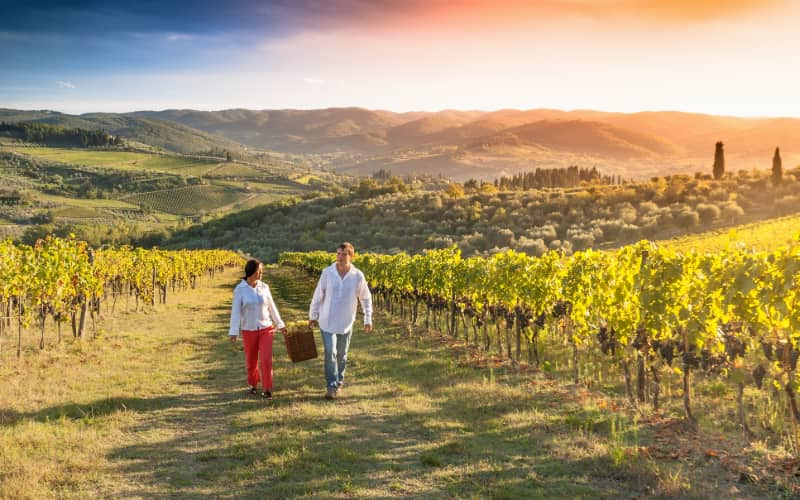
(647, 207)
(630, 232)
(547, 232)
(707, 213)
(610, 227)
(787, 205)
(731, 211)
(687, 219)
(627, 213)
(719, 194)
(535, 247)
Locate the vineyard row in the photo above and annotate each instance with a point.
(644, 311)
(65, 280)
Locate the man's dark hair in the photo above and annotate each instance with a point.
(348, 247)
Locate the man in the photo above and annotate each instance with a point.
(333, 308)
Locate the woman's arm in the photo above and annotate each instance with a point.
(273, 312)
(236, 315)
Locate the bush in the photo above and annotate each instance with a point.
(719, 194)
(787, 205)
(707, 213)
(501, 237)
(630, 232)
(627, 213)
(582, 241)
(564, 246)
(535, 247)
(687, 219)
(611, 228)
(732, 211)
(547, 232)
(647, 207)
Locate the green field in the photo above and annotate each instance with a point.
(79, 213)
(80, 156)
(121, 160)
(276, 187)
(151, 190)
(234, 170)
(305, 179)
(81, 202)
(187, 201)
(10, 231)
(762, 235)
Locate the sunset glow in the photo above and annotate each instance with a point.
(735, 57)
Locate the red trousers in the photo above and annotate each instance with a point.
(258, 342)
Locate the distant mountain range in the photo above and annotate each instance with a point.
(615, 134)
(465, 144)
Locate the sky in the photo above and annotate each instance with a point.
(727, 57)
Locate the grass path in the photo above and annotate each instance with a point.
(156, 406)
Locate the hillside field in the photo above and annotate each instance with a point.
(107, 187)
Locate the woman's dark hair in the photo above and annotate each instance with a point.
(251, 267)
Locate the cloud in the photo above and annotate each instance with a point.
(65, 84)
(694, 11)
(310, 15)
(178, 37)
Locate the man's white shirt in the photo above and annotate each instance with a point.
(336, 298)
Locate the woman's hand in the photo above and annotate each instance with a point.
(233, 338)
(312, 323)
(282, 331)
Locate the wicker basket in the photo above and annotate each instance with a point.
(300, 345)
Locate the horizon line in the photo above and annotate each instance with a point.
(412, 111)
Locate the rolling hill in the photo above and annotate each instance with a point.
(479, 144)
(167, 135)
(460, 144)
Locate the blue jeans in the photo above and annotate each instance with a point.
(336, 347)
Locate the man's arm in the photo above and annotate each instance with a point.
(365, 297)
(316, 301)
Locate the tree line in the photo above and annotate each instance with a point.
(540, 178)
(53, 135)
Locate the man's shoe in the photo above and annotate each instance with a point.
(253, 391)
(330, 393)
(266, 395)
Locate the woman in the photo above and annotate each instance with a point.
(255, 315)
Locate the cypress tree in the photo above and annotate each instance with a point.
(777, 167)
(719, 161)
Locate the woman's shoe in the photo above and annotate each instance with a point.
(253, 390)
(266, 395)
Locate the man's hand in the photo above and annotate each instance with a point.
(312, 323)
(282, 330)
(367, 328)
(233, 338)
